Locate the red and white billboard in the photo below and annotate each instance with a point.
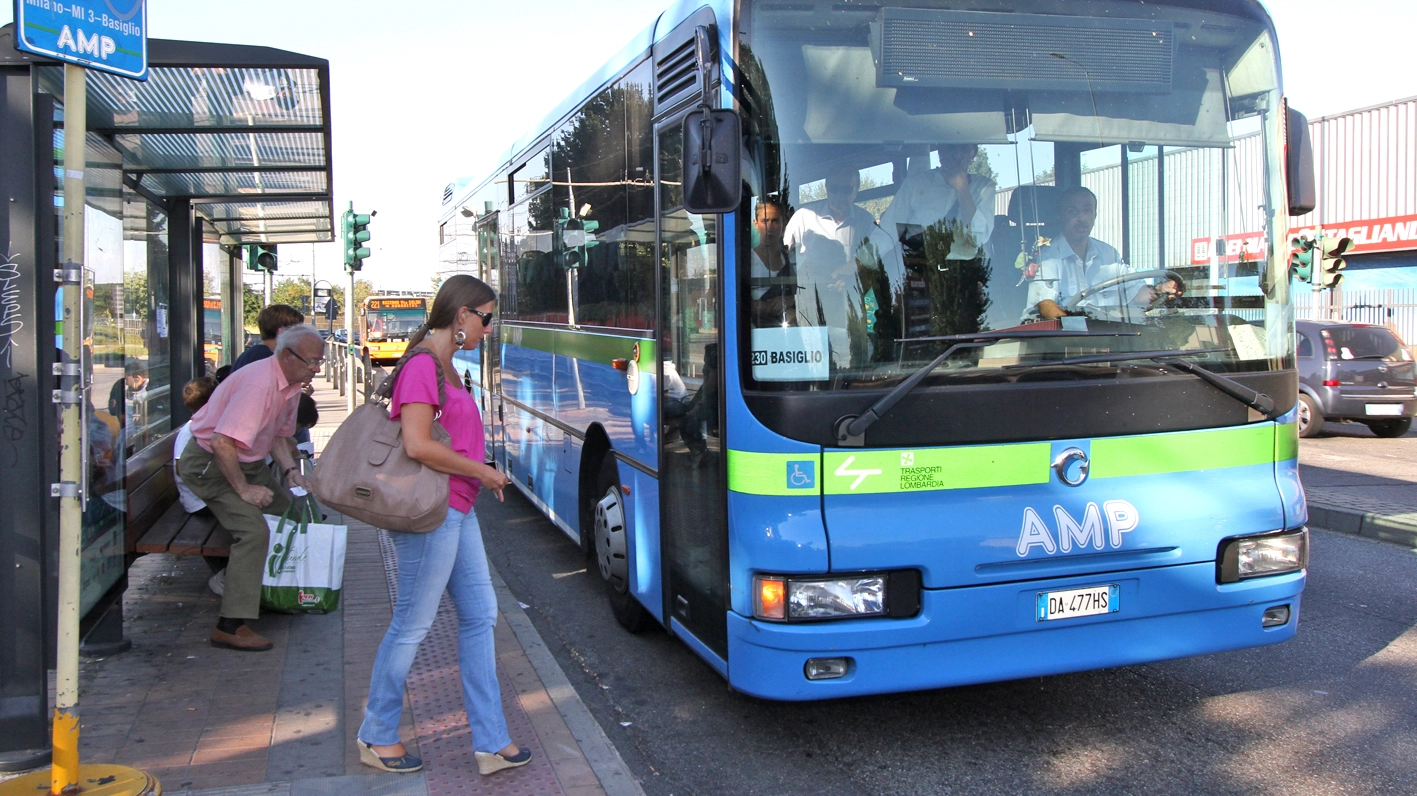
(1396, 233)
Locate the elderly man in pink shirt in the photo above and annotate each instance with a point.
(250, 416)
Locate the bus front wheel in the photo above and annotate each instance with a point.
(612, 548)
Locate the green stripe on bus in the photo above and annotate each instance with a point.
(1286, 442)
(590, 346)
(1154, 454)
(754, 473)
(973, 467)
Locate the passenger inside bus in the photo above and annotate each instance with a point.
(773, 289)
(828, 239)
(1075, 261)
(949, 193)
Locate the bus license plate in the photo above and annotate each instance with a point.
(1091, 601)
(1391, 410)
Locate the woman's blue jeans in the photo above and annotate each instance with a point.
(450, 557)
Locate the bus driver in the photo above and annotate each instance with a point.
(1076, 260)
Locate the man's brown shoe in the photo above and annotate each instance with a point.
(244, 639)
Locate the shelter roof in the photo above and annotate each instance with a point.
(242, 131)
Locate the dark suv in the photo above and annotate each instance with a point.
(1354, 372)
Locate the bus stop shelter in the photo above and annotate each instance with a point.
(224, 145)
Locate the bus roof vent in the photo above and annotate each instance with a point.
(979, 49)
(448, 192)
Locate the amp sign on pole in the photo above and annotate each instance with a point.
(108, 35)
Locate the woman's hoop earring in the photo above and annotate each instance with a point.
(460, 338)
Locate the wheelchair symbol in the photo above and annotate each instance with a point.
(802, 475)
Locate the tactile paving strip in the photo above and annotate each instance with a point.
(444, 740)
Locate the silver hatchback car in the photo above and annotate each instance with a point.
(1354, 372)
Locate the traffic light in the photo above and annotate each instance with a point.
(354, 227)
(261, 257)
(1301, 258)
(1331, 260)
(577, 235)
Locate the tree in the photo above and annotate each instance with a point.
(292, 292)
(980, 165)
(135, 295)
(251, 303)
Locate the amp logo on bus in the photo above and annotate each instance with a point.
(1120, 517)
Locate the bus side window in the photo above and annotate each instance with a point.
(610, 250)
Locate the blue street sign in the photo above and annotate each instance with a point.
(109, 35)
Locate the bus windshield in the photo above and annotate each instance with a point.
(386, 324)
(211, 322)
(918, 172)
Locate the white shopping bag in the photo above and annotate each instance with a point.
(304, 569)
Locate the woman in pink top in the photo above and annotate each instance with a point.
(450, 558)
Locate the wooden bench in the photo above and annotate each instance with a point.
(157, 523)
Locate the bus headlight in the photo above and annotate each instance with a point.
(785, 598)
(1245, 557)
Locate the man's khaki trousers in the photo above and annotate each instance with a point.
(250, 536)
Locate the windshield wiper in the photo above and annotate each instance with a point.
(850, 430)
(1255, 400)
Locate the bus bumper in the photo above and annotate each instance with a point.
(991, 633)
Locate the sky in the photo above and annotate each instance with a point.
(425, 94)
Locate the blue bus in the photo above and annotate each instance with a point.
(953, 373)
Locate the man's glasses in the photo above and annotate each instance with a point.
(309, 363)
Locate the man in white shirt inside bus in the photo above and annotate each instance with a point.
(827, 238)
(1076, 261)
(948, 194)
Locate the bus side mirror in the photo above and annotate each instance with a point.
(712, 161)
(1299, 163)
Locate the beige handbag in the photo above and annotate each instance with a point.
(365, 474)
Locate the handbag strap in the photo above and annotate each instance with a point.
(386, 390)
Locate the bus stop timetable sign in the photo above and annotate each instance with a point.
(109, 35)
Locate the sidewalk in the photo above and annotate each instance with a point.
(1348, 511)
(225, 723)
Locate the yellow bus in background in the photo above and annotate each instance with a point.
(386, 323)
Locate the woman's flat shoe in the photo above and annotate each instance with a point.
(492, 762)
(403, 764)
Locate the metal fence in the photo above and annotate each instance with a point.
(1395, 309)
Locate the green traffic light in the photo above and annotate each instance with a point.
(353, 231)
(1301, 259)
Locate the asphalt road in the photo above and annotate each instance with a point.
(1332, 711)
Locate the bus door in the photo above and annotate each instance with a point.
(692, 496)
(490, 354)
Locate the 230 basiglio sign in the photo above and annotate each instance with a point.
(109, 35)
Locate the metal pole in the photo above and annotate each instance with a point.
(368, 372)
(349, 305)
(64, 775)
